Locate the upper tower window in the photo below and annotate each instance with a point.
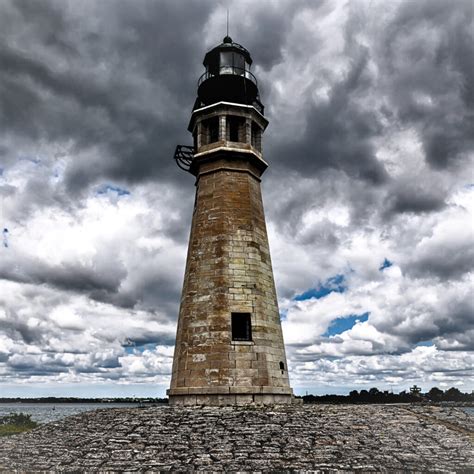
(256, 136)
(235, 129)
(210, 131)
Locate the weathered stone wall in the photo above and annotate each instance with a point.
(228, 270)
(317, 438)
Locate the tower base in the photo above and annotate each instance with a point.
(230, 400)
(234, 396)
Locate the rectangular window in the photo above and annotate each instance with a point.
(256, 137)
(213, 130)
(235, 129)
(210, 129)
(241, 327)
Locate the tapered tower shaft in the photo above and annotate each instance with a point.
(229, 344)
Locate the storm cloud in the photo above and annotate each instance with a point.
(370, 184)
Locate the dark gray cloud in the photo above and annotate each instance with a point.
(104, 279)
(337, 133)
(101, 276)
(16, 328)
(444, 261)
(119, 87)
(427, 53)
(412, 200)
(265, 31)
(416, 74)
(416, 196)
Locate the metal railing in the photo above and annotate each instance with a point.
(184, 155)
(231, 70)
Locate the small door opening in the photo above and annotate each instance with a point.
(241, 327)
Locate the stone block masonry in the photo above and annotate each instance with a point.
(229, 345)
(228, 272)
(328, 438)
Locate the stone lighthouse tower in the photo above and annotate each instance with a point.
(229, 343)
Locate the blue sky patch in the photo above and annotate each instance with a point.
(110, 188)
(334, 284)
(31, 159)
(425, 344)
(5, 237)
(340, 325)
(132, 348)
(386, 263)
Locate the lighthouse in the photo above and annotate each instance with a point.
(229, 343)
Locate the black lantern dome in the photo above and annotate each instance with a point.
(228, 77)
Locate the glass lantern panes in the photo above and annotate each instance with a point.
(226, 63)
(239, 64)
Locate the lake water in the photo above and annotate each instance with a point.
(46, 412)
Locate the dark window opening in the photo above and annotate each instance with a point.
(241, 327)
(214, 132)
(210, 130)
(235, 129)
(282, 367)
(256, 136)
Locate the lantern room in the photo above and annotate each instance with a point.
(227, 115)
(227, 77)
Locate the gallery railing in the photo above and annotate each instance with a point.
(233, 70)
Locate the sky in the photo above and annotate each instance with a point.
(368, 196)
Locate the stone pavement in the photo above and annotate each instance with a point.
(310, 437)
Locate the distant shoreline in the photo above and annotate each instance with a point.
(53, 400)
(164, 401)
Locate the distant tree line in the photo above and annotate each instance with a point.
(374, 395)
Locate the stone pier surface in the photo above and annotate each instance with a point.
(298, 438)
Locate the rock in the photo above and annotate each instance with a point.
(304, 437)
